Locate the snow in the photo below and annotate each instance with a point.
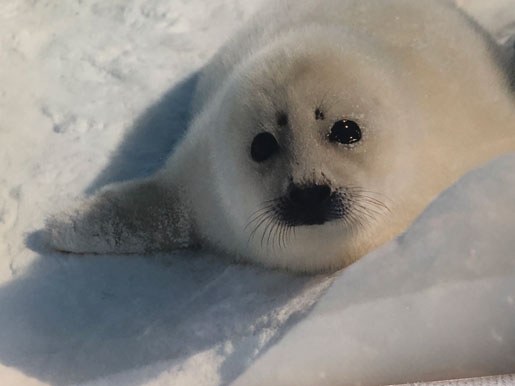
(93, 92)
(437, 303)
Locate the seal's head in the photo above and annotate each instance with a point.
(307, 156)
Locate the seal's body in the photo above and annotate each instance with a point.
(322, 130)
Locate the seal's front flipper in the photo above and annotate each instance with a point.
(130, 217)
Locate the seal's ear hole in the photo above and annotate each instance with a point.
(345, 131)
(263, 147)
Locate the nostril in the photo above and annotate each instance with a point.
(323, 192)
(309, 195)
(296, 194)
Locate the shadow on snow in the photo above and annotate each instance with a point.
(73, 319)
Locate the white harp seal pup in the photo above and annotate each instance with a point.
(321, 130)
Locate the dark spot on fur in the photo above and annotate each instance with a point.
(282, 119)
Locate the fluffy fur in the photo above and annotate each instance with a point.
(426, 84)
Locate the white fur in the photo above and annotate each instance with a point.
(425, 83)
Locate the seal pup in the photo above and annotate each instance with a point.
(322, 130)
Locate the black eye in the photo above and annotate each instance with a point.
(346, 132)
(263, 147)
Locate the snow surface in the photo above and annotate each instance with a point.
(97, 91)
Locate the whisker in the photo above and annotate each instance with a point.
(277, 235)
(267, 226)
(276, 240)
(367, 209)
(284, 229)
(375, 202)
(380, 197)
(286, 234)
(270, 233)
(258, 226)
(258, 220)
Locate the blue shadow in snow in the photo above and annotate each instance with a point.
(73, 319)
(152, 139)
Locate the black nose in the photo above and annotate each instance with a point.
(309, 195)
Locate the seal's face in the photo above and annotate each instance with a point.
(307, 154)
(307, 202)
